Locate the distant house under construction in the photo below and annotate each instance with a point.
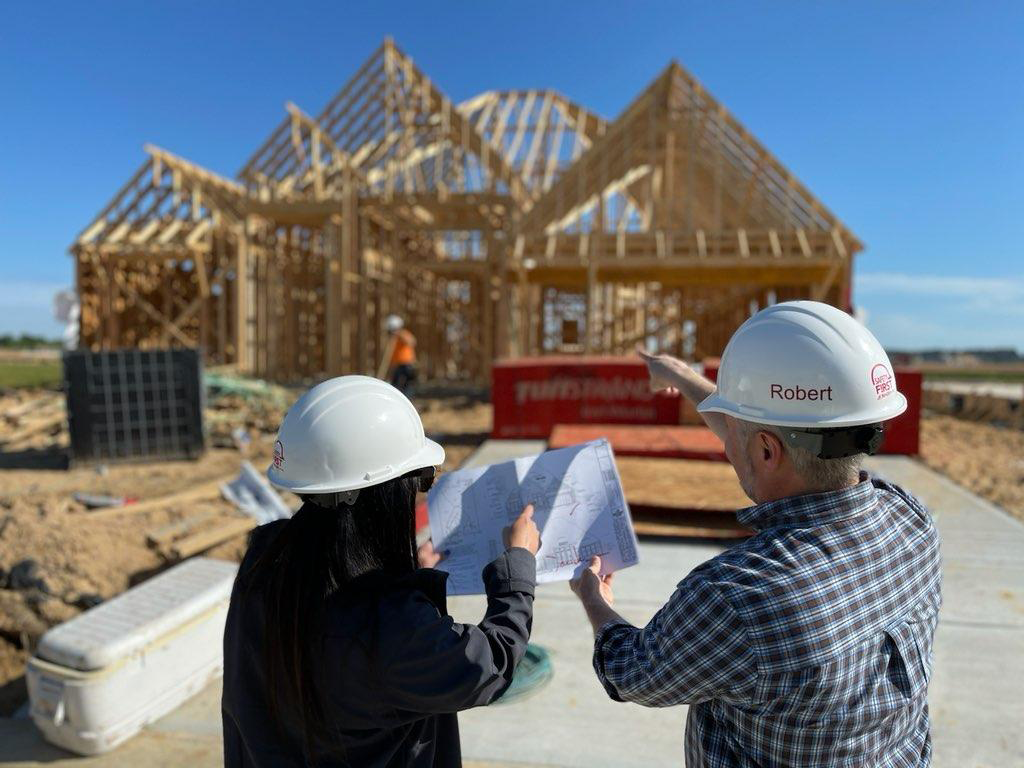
(514, 223)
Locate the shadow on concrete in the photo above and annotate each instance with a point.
(22, 743)
(13, 694)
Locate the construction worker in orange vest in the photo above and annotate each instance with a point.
(402, 346)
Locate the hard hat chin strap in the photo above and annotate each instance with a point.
(424, 480)
(836, 443)
(331, 500)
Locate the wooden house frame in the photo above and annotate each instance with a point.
(514, 223)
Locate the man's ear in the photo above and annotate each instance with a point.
(770, 450)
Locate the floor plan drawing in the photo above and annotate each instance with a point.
(457, 495)
(578, 504)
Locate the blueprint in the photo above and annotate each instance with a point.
(579, 509)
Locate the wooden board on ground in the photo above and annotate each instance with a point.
(647, 440)
(680, 483)
(171, 531)
(207, 490)
(211, 537)
(660, 521)
(678, 497)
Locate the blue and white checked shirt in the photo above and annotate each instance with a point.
(809, 644)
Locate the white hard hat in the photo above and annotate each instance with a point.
(350, 433)
(805, 364)
(394, 323)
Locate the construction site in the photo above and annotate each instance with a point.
(531, 246)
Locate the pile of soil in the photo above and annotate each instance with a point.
(985, 459)
(76, 560)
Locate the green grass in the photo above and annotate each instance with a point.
(1003, 376)
(16, 374)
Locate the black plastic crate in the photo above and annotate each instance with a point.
(134, 404)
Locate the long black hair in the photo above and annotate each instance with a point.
(317, 553)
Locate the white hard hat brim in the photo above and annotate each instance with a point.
(430, 455)
(715, 403)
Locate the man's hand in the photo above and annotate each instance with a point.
(666, 372)
(595, 593)
(427, 556)
(523, 532)
(671, 373)
(591, 587)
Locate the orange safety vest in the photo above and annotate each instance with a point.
(404, 352)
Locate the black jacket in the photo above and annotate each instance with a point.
(396, 667)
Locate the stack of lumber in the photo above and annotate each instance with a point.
(197, 531)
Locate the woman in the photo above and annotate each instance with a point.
(338, 650)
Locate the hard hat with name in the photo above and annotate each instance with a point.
(805, 364)
(348, 433)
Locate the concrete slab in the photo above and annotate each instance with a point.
(581, 725)
(191, 735)
(975, 694)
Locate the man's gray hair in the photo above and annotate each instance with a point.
(819, 474)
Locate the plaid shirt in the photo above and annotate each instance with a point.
(809, 644)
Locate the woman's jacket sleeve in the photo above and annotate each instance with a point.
(443, 666)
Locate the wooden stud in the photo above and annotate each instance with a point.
(395, 199)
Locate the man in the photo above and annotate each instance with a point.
(402, 348)
(809, 644)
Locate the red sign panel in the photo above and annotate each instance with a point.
(532, 395)
(903, 434)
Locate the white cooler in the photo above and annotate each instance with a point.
(96, 680)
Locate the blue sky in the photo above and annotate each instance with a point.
(905, 118)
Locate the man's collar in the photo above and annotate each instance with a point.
(811, 508)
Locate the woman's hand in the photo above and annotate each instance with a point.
(523, 532)
(427, 556)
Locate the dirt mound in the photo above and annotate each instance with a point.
(985, 459)
(70, 557)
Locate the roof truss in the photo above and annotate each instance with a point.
(399, 130)
(168, 203)
(675, 161)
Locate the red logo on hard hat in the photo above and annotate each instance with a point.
(882, 379)
(278, 455)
